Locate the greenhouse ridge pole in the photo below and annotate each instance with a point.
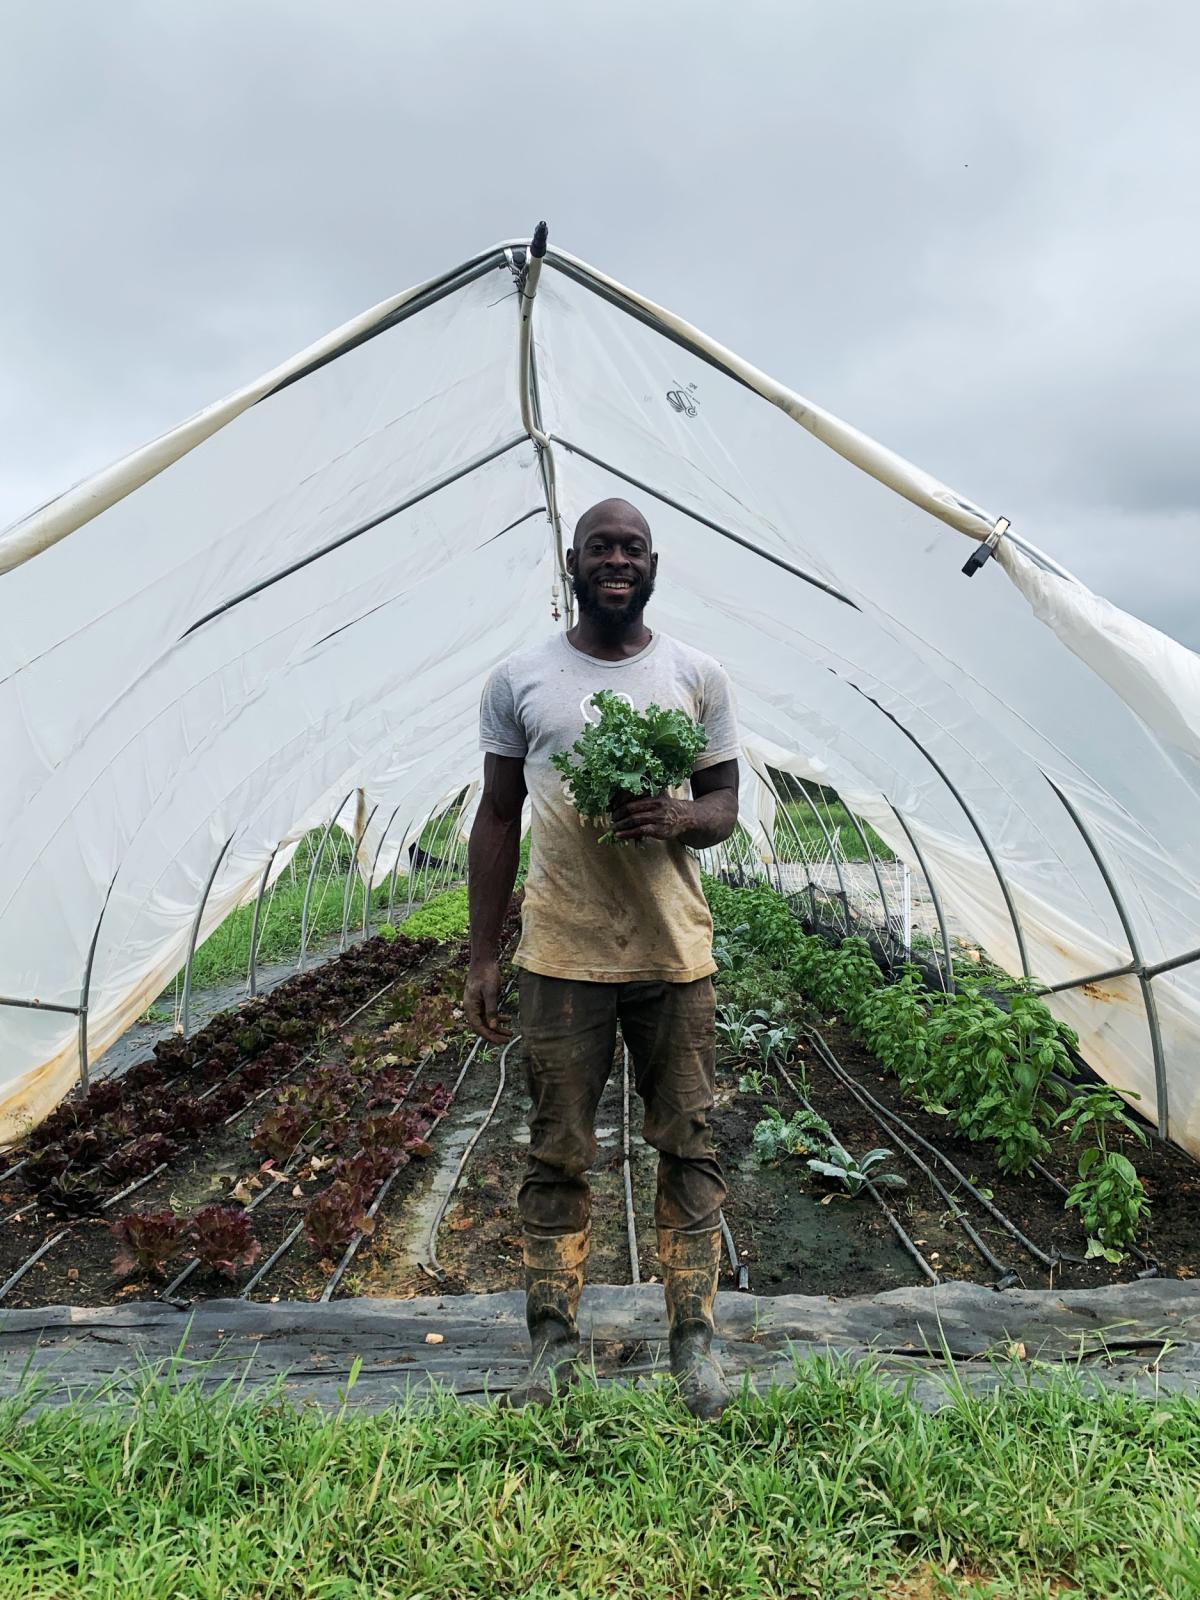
(833, 855)
(933, 893)
(528, 278)
(1144, 976)
(185, 1017)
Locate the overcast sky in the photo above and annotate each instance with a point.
(970, 227)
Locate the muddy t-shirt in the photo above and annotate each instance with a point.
(605, 913)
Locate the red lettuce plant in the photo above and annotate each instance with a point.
(76, 1193)
(146, 1078)
(402, 1130)
(104, 1096)
(224, 1239)
(325, 1093)
(367, 1170)
(140, 1157)
(281, 1132)
(190, 1117)
(334, 1216)
(148, 1240)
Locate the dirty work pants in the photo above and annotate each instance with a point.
(569, 1031)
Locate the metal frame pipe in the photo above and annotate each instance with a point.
(414, 867)
(883, 899)
(312, 877)
(348, 891)
(1172, 963)
(85, 989)
(528, 275)
(256, 925)
(803, 854)
(1162, 1108)
(391, 905)
(366, 922)
(185, 1014)
(967, 812)
(933, 893)
(1128, 970)
(38, 1005)
(833, 855)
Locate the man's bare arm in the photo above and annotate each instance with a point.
(708, 818)
(493, 858)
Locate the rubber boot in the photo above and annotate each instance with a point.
(553, 1284)
(691, 1263)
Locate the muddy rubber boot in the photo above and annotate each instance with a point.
(691, 1263)
(553, 1284)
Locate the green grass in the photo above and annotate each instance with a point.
(835, 1488)
(837, 819)
(225, 954)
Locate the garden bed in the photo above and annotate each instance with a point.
(375, 1034)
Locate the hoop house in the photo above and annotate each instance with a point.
(297, 593)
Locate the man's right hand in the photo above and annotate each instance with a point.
(481, 1002)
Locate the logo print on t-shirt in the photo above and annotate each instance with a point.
(587, 708)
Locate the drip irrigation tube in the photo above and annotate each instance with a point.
(431, 1266)
(352, 1248)
(282, 1249)
(834, 1065)
(738, 1267)
(1006, 1276)
(140, 1183)
(897, 1226)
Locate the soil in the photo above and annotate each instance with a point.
(793, 1232)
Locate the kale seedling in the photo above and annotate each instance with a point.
(627, 754)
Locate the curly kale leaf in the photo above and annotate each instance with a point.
(627, 753)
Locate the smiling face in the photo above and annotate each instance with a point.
(612, 565)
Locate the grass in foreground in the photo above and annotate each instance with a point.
(836, 1488)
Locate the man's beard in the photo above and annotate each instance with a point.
(609, 619)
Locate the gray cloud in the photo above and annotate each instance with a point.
(970, 230)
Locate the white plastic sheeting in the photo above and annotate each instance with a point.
(299, 593)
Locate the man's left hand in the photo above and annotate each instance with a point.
(658, 818)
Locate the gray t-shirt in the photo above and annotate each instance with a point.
(605, 913)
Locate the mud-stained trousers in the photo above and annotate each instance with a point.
(570, 1030)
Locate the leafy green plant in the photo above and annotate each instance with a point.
(625, 754)
(853, 1173)
(803, 1133)
(775, 1041)
(444, 917)
(1109, 1195)
(738, 1031)
(755, 1081)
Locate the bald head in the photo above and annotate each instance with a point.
(616, 516)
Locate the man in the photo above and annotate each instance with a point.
(610, 933)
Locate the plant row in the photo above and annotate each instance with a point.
(123, 1128)
(996, 1072)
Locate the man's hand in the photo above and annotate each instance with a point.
(658, 818)
(481, 1002)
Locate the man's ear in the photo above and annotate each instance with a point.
(571, 560)
(654, 564)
